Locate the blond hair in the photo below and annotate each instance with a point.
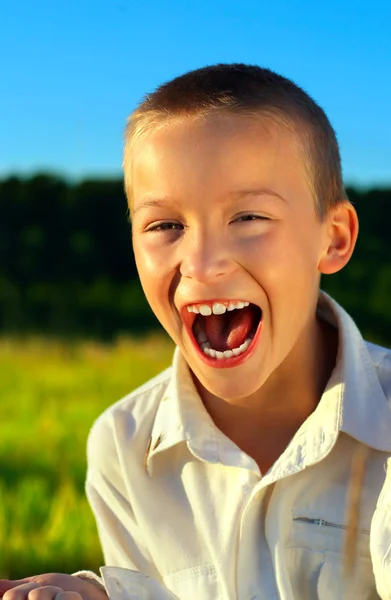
(240, 89)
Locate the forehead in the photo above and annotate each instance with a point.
(216, 155)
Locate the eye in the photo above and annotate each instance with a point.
(164, 226)
(250, 217)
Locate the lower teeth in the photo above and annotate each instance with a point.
(220, 355)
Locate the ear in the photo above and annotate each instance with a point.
(342, 231)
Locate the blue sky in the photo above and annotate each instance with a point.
(72, 70)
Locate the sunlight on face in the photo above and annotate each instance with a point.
(222, 210)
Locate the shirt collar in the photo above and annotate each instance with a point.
(182, 418)
(353, 402)
(363, 409)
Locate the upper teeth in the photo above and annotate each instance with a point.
(217, 308)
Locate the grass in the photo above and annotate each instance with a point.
(50, 393)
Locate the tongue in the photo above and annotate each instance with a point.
(228, 331)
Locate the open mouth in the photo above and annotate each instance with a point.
(224, 330)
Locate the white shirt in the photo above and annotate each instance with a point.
(177, 500)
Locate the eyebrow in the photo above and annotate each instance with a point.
(257, 192)
(151, 202)
(161, 202)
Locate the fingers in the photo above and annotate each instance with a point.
(19, 591)
(68, 596)
(46, 592)
(34, 591)
(8, 584)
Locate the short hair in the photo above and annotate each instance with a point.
(248, 90)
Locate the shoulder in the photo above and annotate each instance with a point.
(381, 360)
(128, 422)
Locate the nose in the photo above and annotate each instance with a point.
(205, 256)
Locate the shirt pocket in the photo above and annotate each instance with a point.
(333, 584)
(196, 583)
(317, 561)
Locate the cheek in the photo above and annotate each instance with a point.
(284, 260)
(155, 273)
(150, 259)
(147, 253)
(271, 253)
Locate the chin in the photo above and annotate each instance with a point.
(231, 389)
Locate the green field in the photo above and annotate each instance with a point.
(50, 393)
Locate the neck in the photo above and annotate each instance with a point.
(266, 421)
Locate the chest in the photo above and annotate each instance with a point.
(221, 533)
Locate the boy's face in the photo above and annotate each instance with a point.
(222, 214)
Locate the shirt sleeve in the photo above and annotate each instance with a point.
(120, 535)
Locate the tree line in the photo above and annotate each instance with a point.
(67, 267)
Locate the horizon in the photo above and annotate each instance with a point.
(70, 179)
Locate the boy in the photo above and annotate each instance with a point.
(230, 474)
